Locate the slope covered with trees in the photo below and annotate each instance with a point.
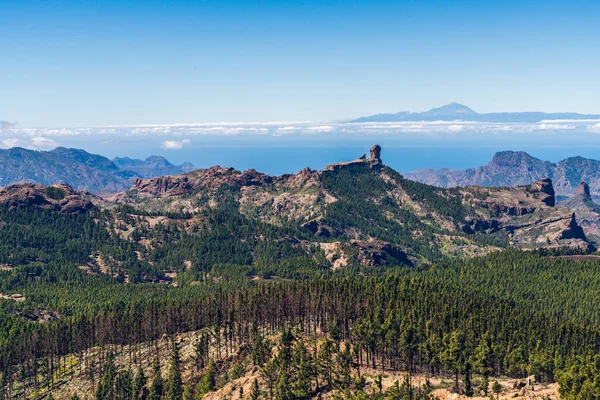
(95, 291)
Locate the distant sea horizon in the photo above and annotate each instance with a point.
(290, 153)
(279, 160)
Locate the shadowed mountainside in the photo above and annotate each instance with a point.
(80, 169)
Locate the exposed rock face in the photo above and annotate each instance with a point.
(514, 202)
(524, 217)
(173, 185)
(586, 211)
(481, 226)
(510, 168)
(376, 152)
(251, 177)
(374, 161)
(375, 253)
(546, 190)
(319, 228)
(507, 168)
(75, 204)
(213, 177)
(572, 230)
(57, 197)
(583, 190)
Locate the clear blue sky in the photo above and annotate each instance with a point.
(82, 63)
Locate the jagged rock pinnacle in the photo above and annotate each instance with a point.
(544, 186)
(376, 152)
(583, 189)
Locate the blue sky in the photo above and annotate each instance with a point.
(91, 63)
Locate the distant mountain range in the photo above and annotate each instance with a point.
(512, 168)
(80, 169)
(455, 111)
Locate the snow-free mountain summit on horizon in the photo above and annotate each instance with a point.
(512, 168)
(456, 111)
(80, 169)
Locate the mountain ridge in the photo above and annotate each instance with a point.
(391, 215)
(78, 168)
(455, 111)
(512, 168)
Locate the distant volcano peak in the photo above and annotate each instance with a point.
(452, 108)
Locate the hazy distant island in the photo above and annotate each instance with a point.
(455, 111)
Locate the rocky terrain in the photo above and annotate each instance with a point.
(355, 213)
(60, 198)
(450, 220)
(73, 379)
(79, 169)
(586, 211)
(512, 168)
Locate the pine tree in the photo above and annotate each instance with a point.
(106, 387)
(188, 393)
(497, 388)
(453, 354)
(304, 369)
(139, 382)
(175, 385)
(468, 385)
(207, 382)
(325, 361)
(483, 358)
(3, 395)
(283, 387)
(157, 383)
(123, 385)
(255, 393)
(261, 351)
(270, 373)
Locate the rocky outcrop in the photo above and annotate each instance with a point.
(373, 162)
(513, 202)
(57, 197)
(545, 191)
(476, 225)
(510, 168)
(513, 211)
(167, 186)
(583, 190)
(572, 230)
(525, 216)
(172, 185)
(376, 152)
(557, 229)
(375, 253)
(586, 211)
(319, 228)
(250, 177)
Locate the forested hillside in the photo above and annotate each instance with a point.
(305, 286)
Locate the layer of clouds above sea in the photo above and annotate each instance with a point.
(247, 144)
